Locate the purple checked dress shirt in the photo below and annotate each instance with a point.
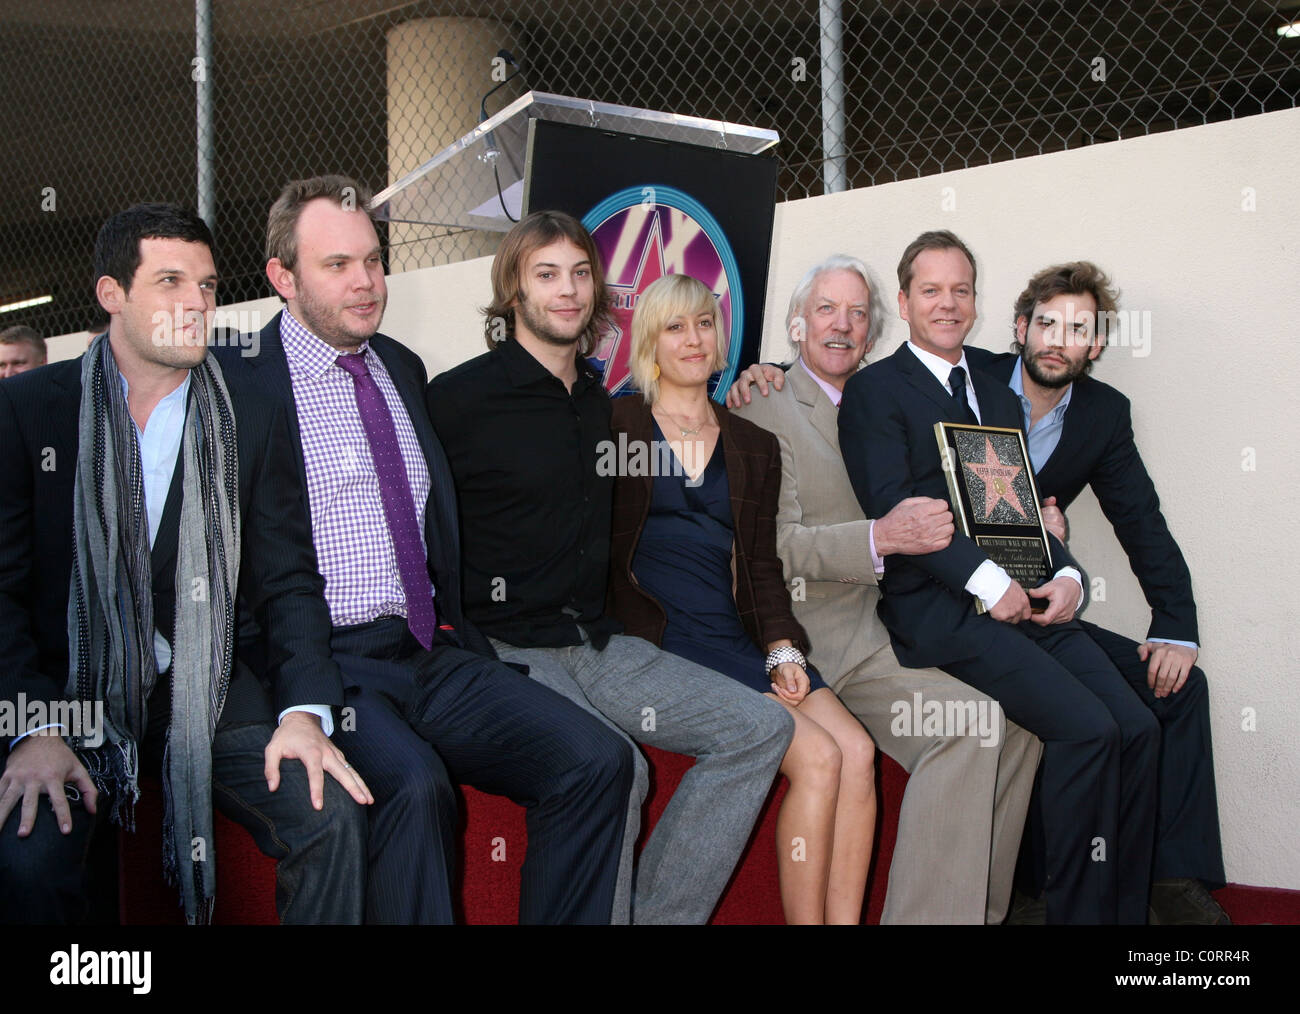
(354, 549)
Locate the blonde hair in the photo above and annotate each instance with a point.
(668, 297)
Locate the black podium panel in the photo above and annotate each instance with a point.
(659, 207)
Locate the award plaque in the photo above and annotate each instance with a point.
(994, 499)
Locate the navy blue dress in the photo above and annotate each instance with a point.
(683, 561)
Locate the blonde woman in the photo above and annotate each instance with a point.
(694, 569)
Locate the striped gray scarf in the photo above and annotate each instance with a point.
(110, 608)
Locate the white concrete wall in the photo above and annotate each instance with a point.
(1214, 398)
(1196, 227)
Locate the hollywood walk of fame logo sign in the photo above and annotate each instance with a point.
(996, 483)
(994, 501)
(644, 233)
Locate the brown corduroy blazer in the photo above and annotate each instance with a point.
(753, 459)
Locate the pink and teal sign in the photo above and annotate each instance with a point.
(644, 233)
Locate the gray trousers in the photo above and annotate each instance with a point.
(737, 736)
(967, 793)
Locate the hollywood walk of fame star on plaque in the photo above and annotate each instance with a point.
(995, 501)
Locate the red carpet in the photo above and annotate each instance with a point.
(494, 842)
(1259, 905)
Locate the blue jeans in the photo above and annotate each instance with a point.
(319, 877)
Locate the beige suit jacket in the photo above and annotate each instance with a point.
(822, 535)
(959, 825)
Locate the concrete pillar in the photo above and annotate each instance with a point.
(438, 71)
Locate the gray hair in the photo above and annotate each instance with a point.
(838, 262)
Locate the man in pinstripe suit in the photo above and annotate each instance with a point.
(268, 747)
(429, 701)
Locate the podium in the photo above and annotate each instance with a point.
(660, 193)
(478, 181)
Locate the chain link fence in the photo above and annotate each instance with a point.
(99, 100)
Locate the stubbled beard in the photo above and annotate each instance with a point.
(1055, 381)
(544, 333)
(327, 323)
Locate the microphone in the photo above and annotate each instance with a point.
(508, 59)
(491, 153)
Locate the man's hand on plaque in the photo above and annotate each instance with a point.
(919, 524)
(761, 374)
(1062, 596)
(1013, 606)
(1054, 519)
(1167, 665)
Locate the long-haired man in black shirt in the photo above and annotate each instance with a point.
(521, 426)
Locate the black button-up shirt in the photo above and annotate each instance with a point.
(534, 513)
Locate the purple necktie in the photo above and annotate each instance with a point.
(399, 505)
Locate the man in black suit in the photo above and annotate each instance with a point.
(1080, 434)
(428, 700)
(1100, 743)
(150, 416)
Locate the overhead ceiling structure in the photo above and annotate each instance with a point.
(97, 97)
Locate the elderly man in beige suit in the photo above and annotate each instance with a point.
(971, 771)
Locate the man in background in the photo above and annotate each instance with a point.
(21, 349)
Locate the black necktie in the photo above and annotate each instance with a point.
(957, 381)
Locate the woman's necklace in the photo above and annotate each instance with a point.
(686, 432)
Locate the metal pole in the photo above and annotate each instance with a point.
(835, 177)
(202, 74)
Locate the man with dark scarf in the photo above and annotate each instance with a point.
(141, 514)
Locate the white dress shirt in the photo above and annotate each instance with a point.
(989, 582)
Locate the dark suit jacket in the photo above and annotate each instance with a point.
(887, 438)
(1097, 449)
(753, 459)
(278, 580)
(268, 371)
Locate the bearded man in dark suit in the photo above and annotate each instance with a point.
(1080, 433)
